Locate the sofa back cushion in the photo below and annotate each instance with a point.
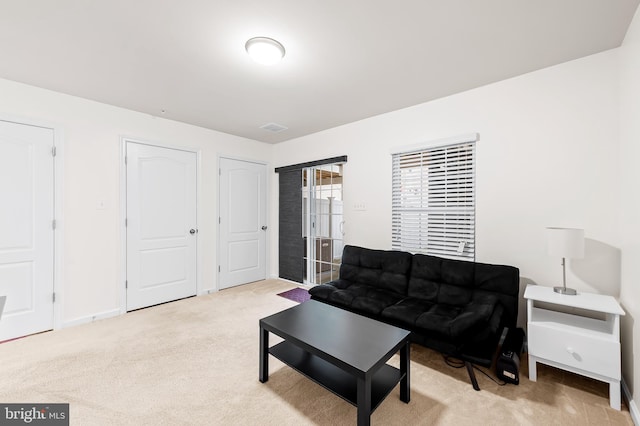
(384, 269)
(458, 282)
(503, 282)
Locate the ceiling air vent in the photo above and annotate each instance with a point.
(273, 127)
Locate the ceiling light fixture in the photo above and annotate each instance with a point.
(265, 50)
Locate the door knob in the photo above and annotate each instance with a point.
(264, 228)
(192, 231)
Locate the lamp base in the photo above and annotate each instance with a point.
(565, 290)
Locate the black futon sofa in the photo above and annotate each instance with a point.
(456, 307)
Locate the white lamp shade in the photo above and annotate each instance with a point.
(565, 242)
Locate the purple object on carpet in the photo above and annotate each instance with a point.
(296, 294)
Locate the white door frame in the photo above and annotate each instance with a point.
(123, 213)
(58, 169)
(269, 230)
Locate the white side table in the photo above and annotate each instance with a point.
(574, 341)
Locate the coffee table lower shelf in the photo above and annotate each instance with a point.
(335, 379)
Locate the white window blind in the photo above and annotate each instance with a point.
(433, 205)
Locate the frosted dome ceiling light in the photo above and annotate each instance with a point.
(264, 50)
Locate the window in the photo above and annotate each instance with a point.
(323, 222)
(433, 204)
(310, 220)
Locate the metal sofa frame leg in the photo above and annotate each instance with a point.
(472, 375)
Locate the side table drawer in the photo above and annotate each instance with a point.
(593, 354)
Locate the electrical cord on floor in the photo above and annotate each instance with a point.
(453, 362)
(457, 363)
(492, 379)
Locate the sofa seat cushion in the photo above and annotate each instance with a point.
(452, 322)
(355, 296)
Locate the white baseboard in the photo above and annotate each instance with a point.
(633, 408)
(91, 318)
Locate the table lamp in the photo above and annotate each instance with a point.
(565, 243)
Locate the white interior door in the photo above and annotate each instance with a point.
(243, 222)
(26, 228)
(161, 224)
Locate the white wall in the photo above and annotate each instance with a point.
(547, 156)
(92, 270)
(558, 147)
(630, 206)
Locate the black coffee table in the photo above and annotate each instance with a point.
(344, 352)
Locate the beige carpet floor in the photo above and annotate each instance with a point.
(195, 362)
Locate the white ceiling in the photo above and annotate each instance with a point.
(346, 60)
